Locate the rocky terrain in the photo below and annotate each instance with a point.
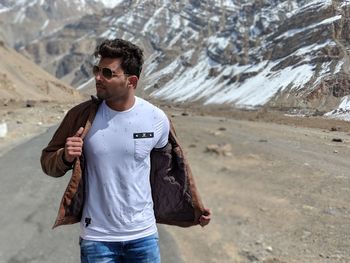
(278, 193)
(31, 20)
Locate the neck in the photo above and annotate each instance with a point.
(122, 104)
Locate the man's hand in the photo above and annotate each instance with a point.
(74, 146)
(205, 218)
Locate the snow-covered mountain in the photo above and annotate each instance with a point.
(245, 53)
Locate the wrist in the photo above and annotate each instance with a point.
(65, 161)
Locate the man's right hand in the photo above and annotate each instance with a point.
(74, 146)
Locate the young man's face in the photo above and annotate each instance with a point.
(111, 87)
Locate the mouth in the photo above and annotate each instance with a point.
(99, 86)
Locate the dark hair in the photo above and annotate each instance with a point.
(130, 54)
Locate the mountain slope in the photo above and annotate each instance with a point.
(22, 80)
(32, 19)
(275, 53)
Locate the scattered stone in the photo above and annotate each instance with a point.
(335, 151)
(184, 114)
(337, 140)
(250, 256)
(220, 149)
(306, 234)
(262, 209)
(258, 242)
(40, 123)
(225, 169)
(30, 103)
(330, 211)
(192, 146)
(215, 133)
(19, 122)
(335, 129)
(222, 129)
(262, 140)
(269, 249)
(308, 207)
(3, 130)
(273, 260)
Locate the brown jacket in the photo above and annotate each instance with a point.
(175, 197)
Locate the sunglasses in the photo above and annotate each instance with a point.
(107, 73)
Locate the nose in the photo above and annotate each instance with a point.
(98, 76)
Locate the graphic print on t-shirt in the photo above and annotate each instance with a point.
(143, 135)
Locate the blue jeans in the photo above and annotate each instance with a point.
(135, 251)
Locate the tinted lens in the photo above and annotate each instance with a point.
(107, 73)
(95, 70)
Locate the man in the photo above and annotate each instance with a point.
(129, 171)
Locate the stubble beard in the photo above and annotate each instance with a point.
(100, 91)
(100, 96)
(103, 94)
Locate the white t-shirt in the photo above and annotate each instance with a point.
(118, 200)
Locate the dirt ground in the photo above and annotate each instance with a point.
(279, 193)
(278, 186)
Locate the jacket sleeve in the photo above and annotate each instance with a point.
(51, 157)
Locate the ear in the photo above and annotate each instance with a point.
(132, 80)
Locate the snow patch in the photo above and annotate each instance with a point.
(45, 24)
(343, 110)
(221, 42)
(345, 3)
(292, 32)
(259, 89)
(110, 34)
(4, 9)
(110, 3)
(85, 84)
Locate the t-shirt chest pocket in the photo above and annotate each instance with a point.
(143, 143)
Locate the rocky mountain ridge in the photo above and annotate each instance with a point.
(34, 19)
(285, 54)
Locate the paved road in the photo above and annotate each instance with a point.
(29, 207)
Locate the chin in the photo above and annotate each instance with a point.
(100, 95)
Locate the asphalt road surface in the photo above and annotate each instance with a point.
(30, 201)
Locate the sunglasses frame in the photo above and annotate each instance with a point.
(102, 71)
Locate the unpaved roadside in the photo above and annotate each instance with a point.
(282, 196)
(26, 121)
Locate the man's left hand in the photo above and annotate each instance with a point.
(205, 218)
